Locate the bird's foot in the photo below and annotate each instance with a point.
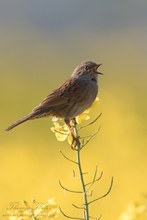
(76, 144)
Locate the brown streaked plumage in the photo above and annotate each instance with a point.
(71, 98)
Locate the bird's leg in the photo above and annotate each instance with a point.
(76, 137)
(74, 121)
(75, 141)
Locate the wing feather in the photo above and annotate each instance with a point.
(60, 96)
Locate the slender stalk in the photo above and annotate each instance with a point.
(78, 150)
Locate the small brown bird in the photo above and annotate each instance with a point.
(70, 99)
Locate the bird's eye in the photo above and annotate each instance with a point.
(87, 68)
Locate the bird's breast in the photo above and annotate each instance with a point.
(86, 97)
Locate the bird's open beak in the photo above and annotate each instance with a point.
(98, 65)
(100, 73)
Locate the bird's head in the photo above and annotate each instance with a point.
(87, 68)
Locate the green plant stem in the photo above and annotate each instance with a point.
(78, 151)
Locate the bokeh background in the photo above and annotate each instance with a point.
(41, 42)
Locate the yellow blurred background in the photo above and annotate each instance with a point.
(41, 43)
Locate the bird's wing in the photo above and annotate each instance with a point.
(61, 96)
(75, 90)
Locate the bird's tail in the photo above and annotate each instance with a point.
(25, 118)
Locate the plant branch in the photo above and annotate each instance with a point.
(67, 158)
(95, 179)
(77, 207)
(91, 122)
(67, 216)
(78, 150)
(89, 139)
(77, 145)
(73, 191)
(104, 194)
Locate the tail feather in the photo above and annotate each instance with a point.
(25, 118)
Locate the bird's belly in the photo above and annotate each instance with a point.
(75, 105)
(78, 109)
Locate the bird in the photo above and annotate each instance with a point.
(70, 99)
